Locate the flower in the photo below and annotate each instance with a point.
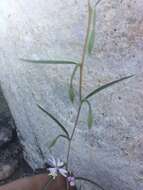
(71, 180)
(56, 167)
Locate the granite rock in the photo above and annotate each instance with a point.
(111, 152)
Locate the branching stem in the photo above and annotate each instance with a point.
(84, 51)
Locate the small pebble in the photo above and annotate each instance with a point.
(6, 135)
(7, 169)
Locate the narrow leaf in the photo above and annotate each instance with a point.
(55, 140)
(90, 181)
(52, 117)
(91, 41)
(91, 35)
(50, 61)
(106, 86)
(90, 119)
(71, 89)
(90, 114)
(71, 93)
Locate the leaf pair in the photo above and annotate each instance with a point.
(90, 114)
(66, 136)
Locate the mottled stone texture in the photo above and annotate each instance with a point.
(111, 153)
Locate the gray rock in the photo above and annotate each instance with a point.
(45, 29)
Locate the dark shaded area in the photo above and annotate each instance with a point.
(12, 163)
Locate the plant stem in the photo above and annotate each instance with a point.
(84, 51)
(75, 125)
(80, 80)
(47, 184)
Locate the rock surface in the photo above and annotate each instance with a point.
(45, 29)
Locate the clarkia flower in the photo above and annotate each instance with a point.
(56, 167)
(71, 180)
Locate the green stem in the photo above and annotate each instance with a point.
(80, 81)
(47, 184)
(84, 51)
(70, 142)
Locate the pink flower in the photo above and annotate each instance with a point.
(56, 167)
(71, 180)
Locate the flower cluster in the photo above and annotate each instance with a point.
(57, 167)
(71, 180)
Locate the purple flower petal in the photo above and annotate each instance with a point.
(59, 163)
(72, 178)
(53, 170)
(52, 161)
(69, 179)
(63, 172)
(72, 183)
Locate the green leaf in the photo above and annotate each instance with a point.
(52, 117)
(55, 140)
(91, 35)
(90, 114)
(71, 89)
(91, 41)
(71, 93)
(90, 119)
(50, 61)
(106, 86)
(90, 181)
